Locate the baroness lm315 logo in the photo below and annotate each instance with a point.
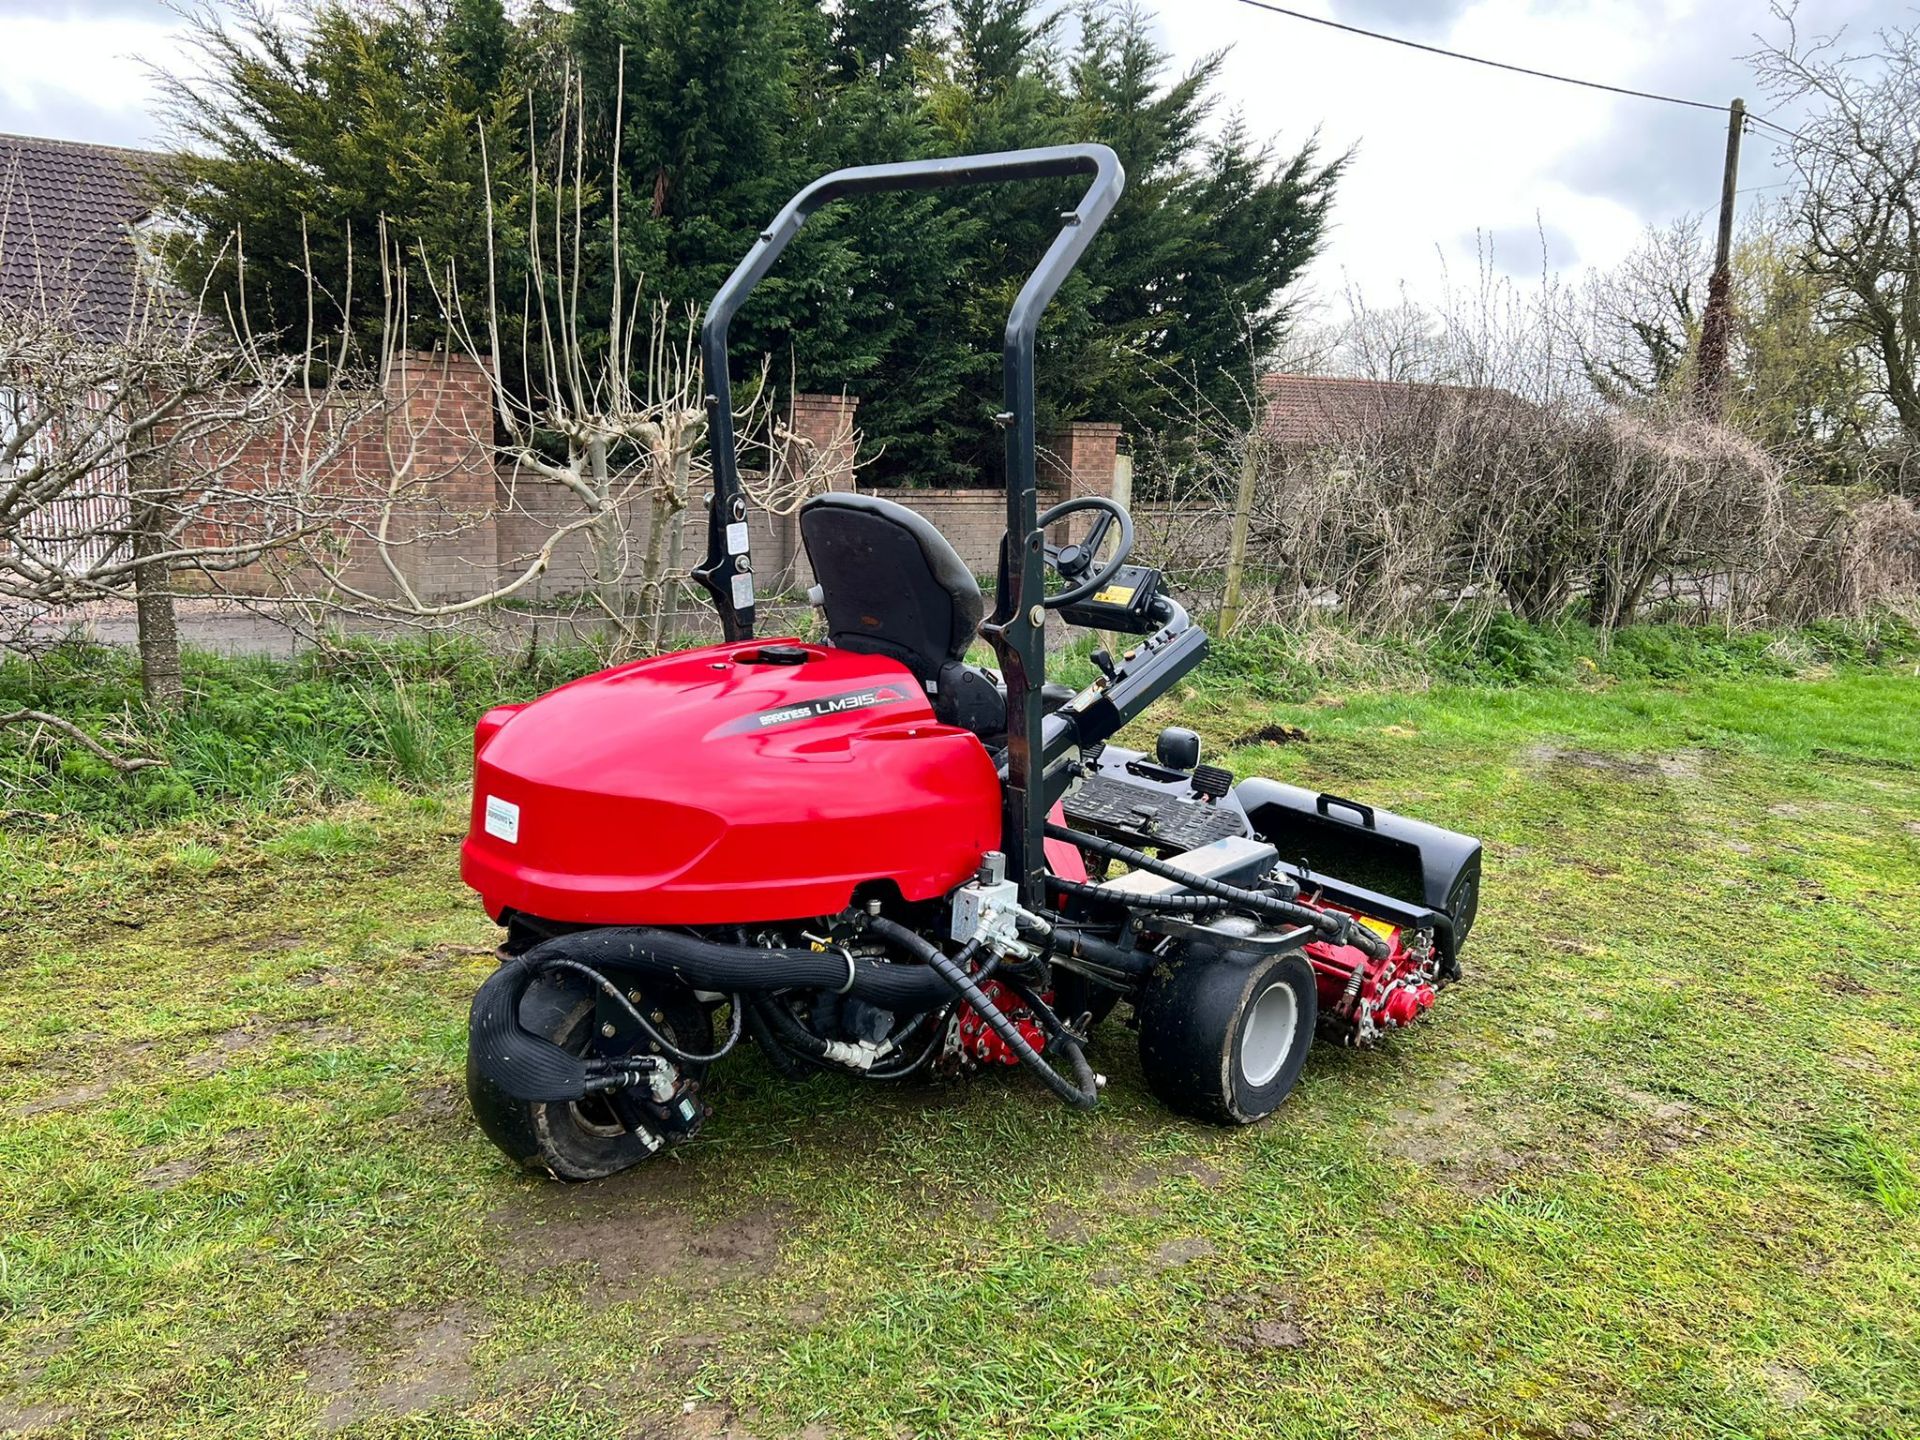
(825, 705)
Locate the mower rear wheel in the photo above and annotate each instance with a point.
(1223, 1034)
(583, 1139)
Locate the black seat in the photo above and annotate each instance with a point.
(891, 585)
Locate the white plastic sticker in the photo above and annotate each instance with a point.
(742, 590)
(503, 819)
(737, 543)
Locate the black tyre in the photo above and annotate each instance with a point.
(1223, 1034)
(584, 1139)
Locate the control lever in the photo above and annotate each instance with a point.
(1103, 662)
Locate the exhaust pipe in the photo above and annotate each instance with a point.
(531, 1067)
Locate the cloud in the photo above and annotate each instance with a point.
(1421, 19)
(1654, 163)
(63, 115)
(78, 10)
(85, 77)
(1518, 250)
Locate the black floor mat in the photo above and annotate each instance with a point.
(1148, 819)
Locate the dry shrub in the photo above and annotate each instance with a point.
(1451, 499)
(1846, 554)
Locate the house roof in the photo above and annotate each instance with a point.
(1315, 409)
(66, 215)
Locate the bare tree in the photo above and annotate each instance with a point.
(129, 462)
(1643, 316)
(1857, 160)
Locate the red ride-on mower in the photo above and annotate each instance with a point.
(882, 860)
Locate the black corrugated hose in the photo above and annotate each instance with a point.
(1333, 924)
(1082, 1096)
(1165, 904)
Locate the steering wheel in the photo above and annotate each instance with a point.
(1074, 561)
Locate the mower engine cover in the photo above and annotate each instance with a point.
(735, 784)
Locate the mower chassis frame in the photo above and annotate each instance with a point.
(1017, 627)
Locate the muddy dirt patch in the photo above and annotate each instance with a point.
(443, 957)
(31, 1419)
(1272, 735)
(1173, 1254)
(404, 1362)
(1681, 765)
(1836, 982)
(1130, 1194)
(1442, 1134)
(718, 1422)
(624, 1242)
(1067, 1227)
(438, 1106)
(1659, 1125)
(1259, 1321)
(217, 1051)
(71, 1098)
(170, 1174)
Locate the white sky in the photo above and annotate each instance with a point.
(1449, 153)
(1446, 151)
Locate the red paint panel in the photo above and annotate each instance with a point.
(700, 788)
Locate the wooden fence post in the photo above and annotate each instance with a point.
(1237, 548)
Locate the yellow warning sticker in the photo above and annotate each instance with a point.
(1115, 595)
(1378, 927)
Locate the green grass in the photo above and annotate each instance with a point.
(257, 735)
(272, 736)
(1649, 1171)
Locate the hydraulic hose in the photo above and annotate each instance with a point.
(789, 1031)
(918, 1063)
(783, 1029)
(1164, 904)
(717, 965)
(647, 1027)
(1334, 925)
(1083, 1095)
(531, 1067)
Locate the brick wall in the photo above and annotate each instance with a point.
(424, 443)
(465, 523)
(1074, 461)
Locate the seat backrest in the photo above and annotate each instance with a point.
(890, 582)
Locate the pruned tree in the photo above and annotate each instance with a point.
(599, 428)
(130, 462)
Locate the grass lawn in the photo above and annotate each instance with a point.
(1653, 1169)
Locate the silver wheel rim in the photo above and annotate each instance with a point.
(1268, 1035)
(599, 1121)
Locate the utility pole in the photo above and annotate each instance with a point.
(1710, 369)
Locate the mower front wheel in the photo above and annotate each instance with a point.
(582, 1139)
(1223, 1034)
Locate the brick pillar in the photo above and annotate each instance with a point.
(825, 424)
(823, 446)
(1077, 459)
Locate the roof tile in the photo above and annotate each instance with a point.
(66, 209)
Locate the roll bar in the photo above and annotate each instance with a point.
(1016, 629)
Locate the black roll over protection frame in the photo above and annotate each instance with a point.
(1017, 627)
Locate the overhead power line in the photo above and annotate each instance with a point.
(1774, 125)
(1482, 60)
